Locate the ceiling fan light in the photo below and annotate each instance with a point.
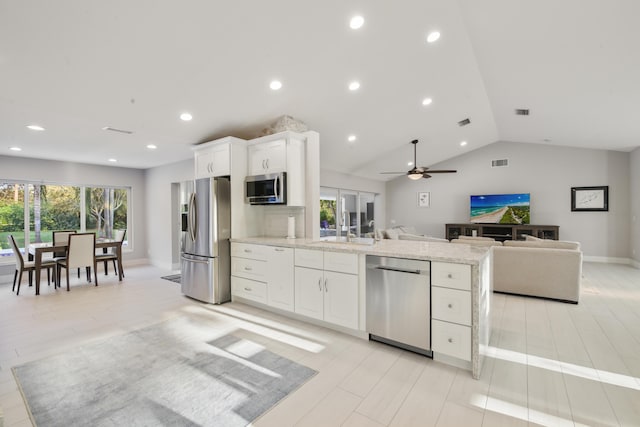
(414, 175)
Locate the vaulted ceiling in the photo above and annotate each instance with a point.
(75, 67)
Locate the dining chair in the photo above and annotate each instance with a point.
(80, 253)
(62, 237)
(29, 266)
(112, 254)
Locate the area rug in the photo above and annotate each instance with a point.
(173, 278)
(176, 373)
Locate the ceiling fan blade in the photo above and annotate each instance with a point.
(426, 175)
(441, 171)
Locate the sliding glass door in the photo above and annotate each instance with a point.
(346, 211)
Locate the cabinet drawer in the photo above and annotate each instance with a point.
(447, 275)
(451, 305)
(451, 339)
(249, 268)
(341, 262)
(248, 250)
(308, 258)
(249, 289)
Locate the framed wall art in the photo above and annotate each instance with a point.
(589, 199)
(424, 199)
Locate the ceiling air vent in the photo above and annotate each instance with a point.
(464, 122)
(499, 163)
(109, 128)
(522, 111)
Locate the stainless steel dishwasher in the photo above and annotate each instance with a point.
(399, 302)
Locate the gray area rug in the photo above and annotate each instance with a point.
(173, 278)
(176, 373)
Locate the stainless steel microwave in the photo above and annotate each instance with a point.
(270, 189)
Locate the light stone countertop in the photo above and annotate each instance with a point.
(431, 251)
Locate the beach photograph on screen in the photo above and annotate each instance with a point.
(500, 208)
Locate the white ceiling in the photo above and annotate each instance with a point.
(75, 66)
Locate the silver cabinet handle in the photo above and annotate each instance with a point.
(263, 164)
(248, 289)
(450, 305)
(319, 284)
(450, 340)
(325, 285)
(248, 251)
(248, 268)
(267, 160)
(450, 276)
(279, 250)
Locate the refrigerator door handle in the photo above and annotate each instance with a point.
(193, 217)
(194, 260)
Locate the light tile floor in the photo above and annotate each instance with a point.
(550, 364)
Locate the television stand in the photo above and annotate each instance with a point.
(502, 232)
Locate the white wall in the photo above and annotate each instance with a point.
(634, 190)
(68, 173)
(161, 221)
(545, 171)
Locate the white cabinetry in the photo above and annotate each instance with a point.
(281, 152)
(451, 309)
(326, 286)
(263, 274)
(280, 277)
(268, 157)
(213, 158)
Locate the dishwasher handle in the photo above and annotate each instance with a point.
(398, 269)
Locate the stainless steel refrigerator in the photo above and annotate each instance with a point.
(206, 228)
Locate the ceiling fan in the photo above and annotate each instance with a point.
(419, 171)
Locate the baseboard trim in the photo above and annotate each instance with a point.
(609, 260)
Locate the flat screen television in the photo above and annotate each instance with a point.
(500, 208)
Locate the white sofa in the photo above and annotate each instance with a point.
(541, 268)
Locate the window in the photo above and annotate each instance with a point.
(343, 211)
(52, 207)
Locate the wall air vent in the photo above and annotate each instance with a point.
(499, 163)
(522, 111)
(464, 122)
(109, 128)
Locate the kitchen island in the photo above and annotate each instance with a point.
(285, 275)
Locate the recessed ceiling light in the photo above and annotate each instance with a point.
(152, 147)
(433, 36)
(275, 85)
(351, 138)
(35, 127)
(427, 101)
(186, 117)
(356, 22)
(463, 143)
(354, 86)
(113, 160)
(409, 163)
(15, 148)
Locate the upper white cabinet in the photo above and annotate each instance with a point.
(281, 152)
(268, 157)
(213, 158)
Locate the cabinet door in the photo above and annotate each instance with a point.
(280, 278)
(308, 292)
(203, 164)
(268, 157)
(341, 299)
(221, 160)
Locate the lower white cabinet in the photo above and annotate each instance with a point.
(280, 278)
(451, 309)
(263, 274)
(323, 293)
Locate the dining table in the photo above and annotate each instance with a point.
(37, 249)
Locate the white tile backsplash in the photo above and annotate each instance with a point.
(276, 219)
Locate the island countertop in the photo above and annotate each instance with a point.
(430, 251)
